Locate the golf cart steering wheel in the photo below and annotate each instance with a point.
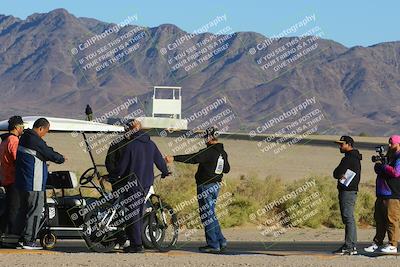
(87, 176)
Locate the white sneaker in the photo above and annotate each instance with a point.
(389, 249)
(31, 246)
(125, 245)
(374, 247)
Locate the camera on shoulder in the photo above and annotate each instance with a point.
(382, 155)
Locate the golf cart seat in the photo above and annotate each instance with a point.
(62, 180)
(65, 180)
(71, 201)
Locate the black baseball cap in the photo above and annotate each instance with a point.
(345, 139)
(211, 133)
(14, 121)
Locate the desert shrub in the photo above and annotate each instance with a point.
(247, 195)
(365, 205)
(315, 206)
(238, 212)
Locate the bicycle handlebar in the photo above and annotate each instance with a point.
(160, 174)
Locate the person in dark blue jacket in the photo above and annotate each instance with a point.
(137, 166)
(31, 177)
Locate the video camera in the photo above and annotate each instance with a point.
(382, 155)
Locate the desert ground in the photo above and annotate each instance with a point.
(246, 158)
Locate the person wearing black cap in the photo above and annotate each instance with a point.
(8, 156)
(348, 174)
(213, 162)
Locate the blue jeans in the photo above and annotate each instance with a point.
(207, 198)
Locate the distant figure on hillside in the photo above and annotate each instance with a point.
(89, 113)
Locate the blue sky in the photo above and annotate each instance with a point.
(348, 22)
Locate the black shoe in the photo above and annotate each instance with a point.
(341, 251)
(134, 249)
(346, 251)
(223, 247)
(352, 251)
(208, 249)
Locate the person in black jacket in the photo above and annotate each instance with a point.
(213, 162)
(348, 174)
(89, 113)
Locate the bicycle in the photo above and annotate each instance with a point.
(103, 229)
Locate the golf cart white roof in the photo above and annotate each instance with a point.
(67, 125)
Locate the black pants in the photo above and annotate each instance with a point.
(134, 216)
(13, 216)
(3, 219)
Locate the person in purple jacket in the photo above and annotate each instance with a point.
(137, 167)
(387, 204)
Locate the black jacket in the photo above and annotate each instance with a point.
(88, 110)
(207, 159)
(352, 161)
(114, 155)
(3, 137)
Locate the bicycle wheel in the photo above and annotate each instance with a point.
(146, 239)
(96, 237)
(163, 227)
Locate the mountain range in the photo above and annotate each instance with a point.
(46, 69)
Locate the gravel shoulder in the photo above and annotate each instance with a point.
(189, 257)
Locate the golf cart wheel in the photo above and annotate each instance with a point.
(48, 241)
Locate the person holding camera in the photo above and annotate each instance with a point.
(387, 204)
(348, 174)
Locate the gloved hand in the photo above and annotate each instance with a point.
(378, 168)
(163, 175)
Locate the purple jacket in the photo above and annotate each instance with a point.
(388, 178)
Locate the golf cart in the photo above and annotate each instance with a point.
(77, 215)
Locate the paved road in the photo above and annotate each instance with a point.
(236, 247)
(321, 249)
